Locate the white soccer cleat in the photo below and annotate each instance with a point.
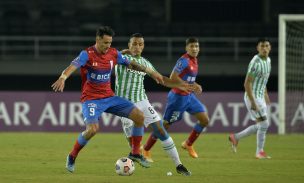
(262, 155)
(233, 142)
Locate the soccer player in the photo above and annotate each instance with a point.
(256, 98)
(130, 85)
(179, 101)
(96, 64)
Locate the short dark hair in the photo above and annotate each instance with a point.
(105, 30)
(262, 40)
(191, 40)
(137, 35)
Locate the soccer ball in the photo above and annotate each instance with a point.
(124, 166)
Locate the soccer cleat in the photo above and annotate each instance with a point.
(146, 154)
(233, 142)
(140, 159)
(190, 150)
(262, 155)
(70, 163)
(182, 170)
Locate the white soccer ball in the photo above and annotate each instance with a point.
(124, 166)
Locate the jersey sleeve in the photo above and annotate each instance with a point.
(81, 60)
(149, 64)
(122, 60)
(252, 68)
(180, 65)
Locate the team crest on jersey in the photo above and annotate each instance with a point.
(179, 65)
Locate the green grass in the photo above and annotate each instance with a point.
(40, 157)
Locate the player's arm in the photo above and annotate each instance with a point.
(197, 88)
(59, 84)
(176, 82)
(125, 51)
(131, 64)
(266, 96)
(248, 89)
(153, 74)
(184, 86)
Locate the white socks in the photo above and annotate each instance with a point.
(260, 129)
(261, 135)
(169, 147)
(246, 132)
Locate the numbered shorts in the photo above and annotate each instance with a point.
(178, 104)
(151, 116)
(254, 115)
(92, 109)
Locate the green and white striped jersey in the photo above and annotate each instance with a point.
(259, 69)
(129, 83)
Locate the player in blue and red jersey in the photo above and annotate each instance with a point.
(179, 101)
(97, 63)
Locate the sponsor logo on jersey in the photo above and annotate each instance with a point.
(92, 105)
(136, 72)
(100, 77)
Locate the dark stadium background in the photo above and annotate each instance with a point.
(158, 18)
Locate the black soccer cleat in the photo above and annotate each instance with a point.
(140, 159)
(182, 170)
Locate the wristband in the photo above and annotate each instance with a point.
(63, 76)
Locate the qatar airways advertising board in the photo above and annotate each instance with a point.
(61, 112)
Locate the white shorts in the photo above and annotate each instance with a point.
(261, 104)
(150, 114)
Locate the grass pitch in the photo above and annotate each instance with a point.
(40, 157)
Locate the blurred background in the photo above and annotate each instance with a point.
(38, 39)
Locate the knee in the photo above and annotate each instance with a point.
(204, 122)
(92, 130)
(139, 118)
(264, 124)
(160, 132)
(166, 124)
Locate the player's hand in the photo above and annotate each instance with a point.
(157, 77)
(186, 87)
(254, 107)
(125, 51)
(58, 86)
(197, 89)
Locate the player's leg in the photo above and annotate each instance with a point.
(173, 112)
(91, 115)
(150, 116)
(137, 132)
(152, 139)
(125, 108)
(138, 129)
(146, 149)
(154, 122)
(252, 129)
(169, 146)
(198, 110)
(127, 126)
(262, 124)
